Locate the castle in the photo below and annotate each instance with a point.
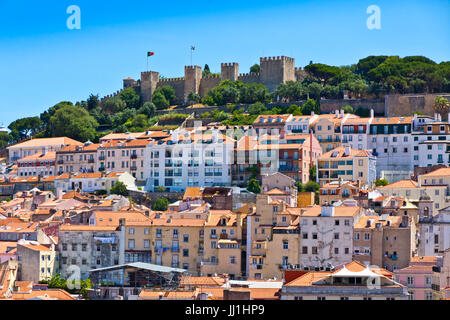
(273, 71)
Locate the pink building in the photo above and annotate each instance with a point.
(418, 279)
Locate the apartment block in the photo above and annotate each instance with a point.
(77, 158)
(347, 164)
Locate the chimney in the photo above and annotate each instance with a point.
(435, 116)
(174, 136)
(415, 117)
(342, 113)
(339, 181)
(59, 193)
(372, 113)
(439, 117)
(336, 112)
(312, 113)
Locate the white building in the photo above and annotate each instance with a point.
(327, 235)
(91, 182)
(299, 124)
(30, 147)
(189, 159)
(391, 142)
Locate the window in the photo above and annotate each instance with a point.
(185, 238)
(304, 250)
(146, 243)
(314, 250)
(336, 235)
(146, 230)
(336, 222)
(410, 280)
(285, 245)
(305, 235)
(131, 231)
(131, 243)
(232, 259)
(185, 252)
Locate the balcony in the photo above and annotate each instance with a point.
(287, 169)
(91, 160)
(175, 249)
(101, 158)
(175, 264)
(257, 266)
(213, 236)
(60, 161)
(133, 156)
(133, 167)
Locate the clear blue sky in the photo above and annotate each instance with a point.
(42, 62)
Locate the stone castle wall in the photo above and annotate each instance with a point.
(402, 104)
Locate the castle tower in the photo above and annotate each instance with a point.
(276, 70)
(149, 80)
(229, 71)
(193, 77)
(128, 82)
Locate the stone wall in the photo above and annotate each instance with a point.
(406, 104)
(177, 84)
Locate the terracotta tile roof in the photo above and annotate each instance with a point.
(49, 294)
(394, 221)
(179, 222)
(340, 211)
(35, 247)
(401, 184)
(7, 246)
(425, 259)
(192, 192)
(264, 119)
(111, 218)
(202, 281)
(42, 142)
(355, 121)
(39, 156)
(178, 295)
(392, 120)
(275, 191)
(340, 153)
(90, 147)
(68, 227)
(121, 136)
(438, 172)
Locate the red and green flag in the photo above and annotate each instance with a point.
(150, 53)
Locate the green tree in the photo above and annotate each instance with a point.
(160, 204)
(160, 100)
(206, 71)
(130, 97)
(139, 122)
(92, 102)
(5, 139)
(73, 122)
(113, 105)
(255, 68)
(312, 186)
(313, 173)
(347, 109)
(315, 90)
(254, 185)
(441, 105)
(24, 127)
(119, 188)
(310, 106)
(381, 182)
(160, 189)
(256, 108)
(168, 92)
(194, 97)
(148, 109)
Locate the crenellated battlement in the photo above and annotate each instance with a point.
(172, 79)
(229, 64)
(273, 71)
(277, 58)
(192, 67)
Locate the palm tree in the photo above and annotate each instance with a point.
(441, 105)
